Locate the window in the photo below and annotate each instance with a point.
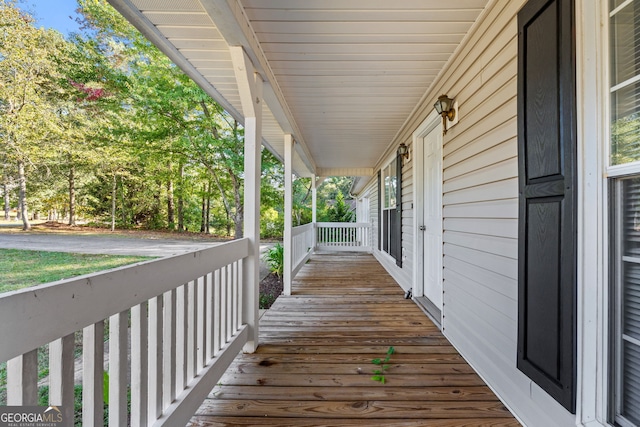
(391, 210)
(389, 203)
(624, 31)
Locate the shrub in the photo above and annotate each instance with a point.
(274, 258)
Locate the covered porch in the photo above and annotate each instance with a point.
(332, 88)
(177, 327)
(313, 366)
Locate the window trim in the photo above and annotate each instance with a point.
(386, 232)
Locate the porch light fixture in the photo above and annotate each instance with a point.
(403, 151)
(444, 107)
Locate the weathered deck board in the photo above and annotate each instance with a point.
(313, 367)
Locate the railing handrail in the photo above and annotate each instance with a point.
(343, 236)
(301, 229)
(343, 224)
(50, 311)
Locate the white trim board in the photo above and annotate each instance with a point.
(432, 121)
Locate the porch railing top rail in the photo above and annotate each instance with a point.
(38, 315)
(301, 229)
(343, 224)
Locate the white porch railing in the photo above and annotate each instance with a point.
(302, 246)
(344, 236)
(185, 317)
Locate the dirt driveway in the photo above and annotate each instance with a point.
(110, 245)
(92, 244)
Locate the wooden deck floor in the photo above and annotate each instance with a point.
(313, 366)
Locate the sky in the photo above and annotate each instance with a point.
(53, 14)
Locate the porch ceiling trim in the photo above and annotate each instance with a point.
(232, 22)
(345, 171)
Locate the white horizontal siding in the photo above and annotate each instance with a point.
(407, 223)
(480, 212)
(371, 192)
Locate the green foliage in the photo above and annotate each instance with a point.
(274, 258)
(105, 387)
(624, 140)
(43, 400)
(271, 222)
(266, 301)
(106, 107)
(339, 212)
(22, 269)
(379, 373)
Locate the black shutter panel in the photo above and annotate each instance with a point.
(547, 202)
(398, 226)
(379, 210)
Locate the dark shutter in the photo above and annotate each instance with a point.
(397, 232)
(379, 210)
(547, 202)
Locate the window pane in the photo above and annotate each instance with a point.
(625, 100)
(626, 320)
(387, 188)
(615, 3)
(625, 125)
(631, 298)
(631, 383)
(393, 185)
(625, 39)
(631, 222)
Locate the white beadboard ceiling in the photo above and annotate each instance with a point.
(341, 75)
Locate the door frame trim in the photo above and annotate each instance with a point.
(432, 122)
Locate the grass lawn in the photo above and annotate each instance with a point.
(21, 269)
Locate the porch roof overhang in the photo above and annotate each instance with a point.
(341, 76)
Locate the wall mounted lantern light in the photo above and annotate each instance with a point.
(403, 151)
(444, 107)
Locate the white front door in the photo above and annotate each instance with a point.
(432, 221)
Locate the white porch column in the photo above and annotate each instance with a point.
(288, 209)
(314, 199)
(250, 88)
(314, 208)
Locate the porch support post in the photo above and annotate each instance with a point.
(314, 199)
(250, 88)
(314, 208)
(288, 209)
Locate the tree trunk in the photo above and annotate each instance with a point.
(238, 217)
(7, 200)
(203, 214)
(114, 192)
(124, 212)
(171, 206)
(72, 195)
(225, 202)
(181, 200)
(22, 182)
(208, 216)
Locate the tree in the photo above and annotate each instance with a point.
(29, 72)
(339, 212)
